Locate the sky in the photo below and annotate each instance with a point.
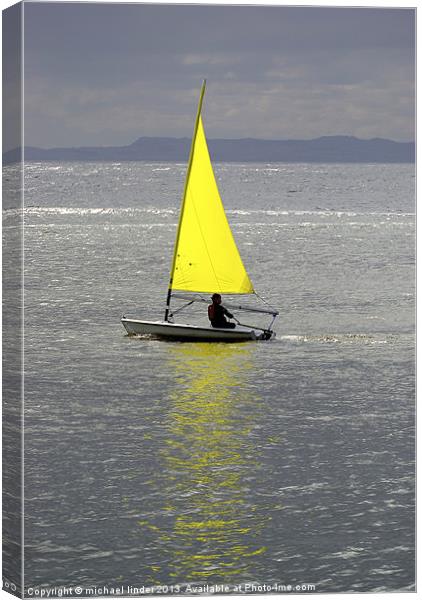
(106, 74)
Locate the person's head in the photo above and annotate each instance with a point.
(216, 298)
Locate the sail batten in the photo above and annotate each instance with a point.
(206, 258)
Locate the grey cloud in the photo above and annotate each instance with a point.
(107, 74)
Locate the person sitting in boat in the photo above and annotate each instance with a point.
(217, 314)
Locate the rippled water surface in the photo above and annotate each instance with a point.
(153, 463)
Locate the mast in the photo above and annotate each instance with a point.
(201, 97)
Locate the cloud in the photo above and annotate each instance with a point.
(219, 59)
(107, 74)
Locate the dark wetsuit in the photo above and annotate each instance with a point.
(217, 315)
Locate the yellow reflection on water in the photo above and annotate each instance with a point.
(208, 458)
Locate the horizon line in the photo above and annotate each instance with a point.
(230, 139)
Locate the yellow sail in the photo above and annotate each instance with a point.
(206, 258)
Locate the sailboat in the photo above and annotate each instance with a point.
(205, 259)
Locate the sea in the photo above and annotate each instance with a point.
(171, 468)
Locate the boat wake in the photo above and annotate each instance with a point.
(341, 338)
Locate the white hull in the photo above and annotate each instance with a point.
(192, 333)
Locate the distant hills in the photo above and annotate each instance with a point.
(340, 149)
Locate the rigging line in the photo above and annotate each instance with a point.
(203, 299)
(181, 308)
(199, 298)
(251, 326)
(265, 302)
